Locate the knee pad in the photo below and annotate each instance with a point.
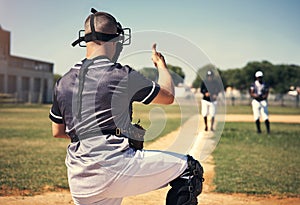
(185, 189)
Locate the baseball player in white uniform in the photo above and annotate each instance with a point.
(92, 106)
(210, 89)
(259, 92)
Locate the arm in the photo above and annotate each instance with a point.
(252, 93)
(58, 126)
(265, 92)
(167, 91)
(58, 131)
(255, 95)
(265, 96)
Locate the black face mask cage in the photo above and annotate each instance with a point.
(122, 36)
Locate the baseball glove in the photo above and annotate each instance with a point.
(259, 98)
(136, 136)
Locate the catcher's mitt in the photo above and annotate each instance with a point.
(259, 98)
(136, 136)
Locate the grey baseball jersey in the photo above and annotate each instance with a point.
(98, 162)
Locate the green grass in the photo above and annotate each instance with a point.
(250, 163)
(32, 161)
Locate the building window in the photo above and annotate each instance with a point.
(25, 89)
(11, 84)
(2, 83)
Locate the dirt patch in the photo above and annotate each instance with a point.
(49, 198)
(272, 118)
(157, 197)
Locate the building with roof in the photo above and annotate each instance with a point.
(22, 79)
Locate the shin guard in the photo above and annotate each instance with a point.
(188, 186)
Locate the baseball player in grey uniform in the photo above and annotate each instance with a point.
(259, 92)
(92, 106)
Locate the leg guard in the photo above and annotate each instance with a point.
(188, 186)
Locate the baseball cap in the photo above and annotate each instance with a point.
(259, 74)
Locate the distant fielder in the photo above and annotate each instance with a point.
(259, 91)
(210, 90)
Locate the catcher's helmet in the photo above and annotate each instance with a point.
(123, 35)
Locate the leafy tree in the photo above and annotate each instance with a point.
(232, 78)
(150, 73)
(279, 77)
(175, 71)
(284, 77)
(201, 74)
(56, 77)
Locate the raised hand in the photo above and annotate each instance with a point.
(157, 58)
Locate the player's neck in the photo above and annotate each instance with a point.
(259, 82)
(93, 51)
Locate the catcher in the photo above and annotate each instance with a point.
(92, 106)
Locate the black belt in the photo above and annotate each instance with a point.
(117, 132)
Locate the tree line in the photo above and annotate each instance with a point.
(279, 77)
(176, 72)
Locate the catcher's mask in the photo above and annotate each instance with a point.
(122, 37)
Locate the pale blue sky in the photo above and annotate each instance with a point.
(231, 33)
